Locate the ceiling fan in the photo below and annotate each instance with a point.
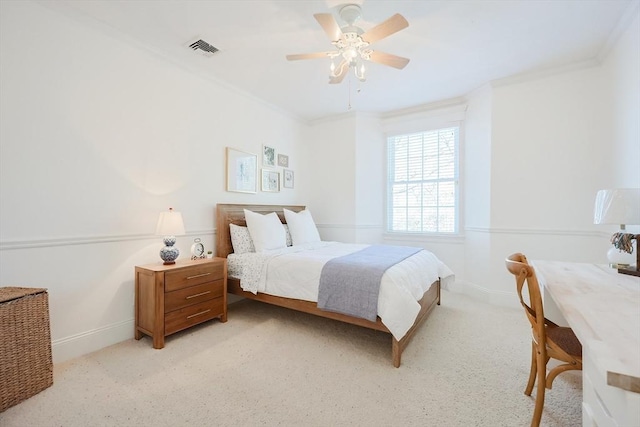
(352, 43)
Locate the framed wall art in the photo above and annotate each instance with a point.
(268, 156)
(283, 160)
(242, 171)
(270, 180)
(287, 178)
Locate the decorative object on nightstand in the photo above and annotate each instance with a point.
(170, 298)
(620, 206)
(170, 225)
(197, 249)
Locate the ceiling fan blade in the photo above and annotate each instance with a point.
(386, 28)
(343, 69)
(299, 56)
(388, 59)
(329, 25)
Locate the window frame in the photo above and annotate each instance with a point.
(458, 209)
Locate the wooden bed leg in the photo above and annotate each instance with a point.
(396, 352)
(439, 281)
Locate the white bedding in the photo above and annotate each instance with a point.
(294, 272)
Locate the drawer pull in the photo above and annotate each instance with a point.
(198, 275)
(198, 295)
(198, 314)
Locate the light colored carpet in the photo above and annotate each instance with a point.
(466, 366)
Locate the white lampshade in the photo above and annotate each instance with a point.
(617, 206)
(170, 224)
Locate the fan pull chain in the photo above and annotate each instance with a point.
(349, 82)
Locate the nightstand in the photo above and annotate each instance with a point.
(170, 298)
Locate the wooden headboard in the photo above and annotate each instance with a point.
(234, 214)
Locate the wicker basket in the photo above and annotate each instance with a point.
(25, 344)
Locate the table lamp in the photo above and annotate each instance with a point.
(170, 225)
(620, 206)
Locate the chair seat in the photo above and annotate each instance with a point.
(565, 339)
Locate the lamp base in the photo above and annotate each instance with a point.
(620, 259)
(169, 253)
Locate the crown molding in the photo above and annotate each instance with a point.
(543, 73)
(623, 24)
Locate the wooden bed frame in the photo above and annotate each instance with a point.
(234, 214)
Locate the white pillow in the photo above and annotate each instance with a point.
(241, 239)
(301, 226)
(266, 231)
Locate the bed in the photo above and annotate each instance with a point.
(231, 215)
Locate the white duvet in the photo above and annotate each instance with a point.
(294, 272)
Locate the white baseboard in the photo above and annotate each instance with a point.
(68, 348)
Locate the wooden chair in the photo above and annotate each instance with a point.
(549, 340)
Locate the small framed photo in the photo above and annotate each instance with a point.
(283, 160)
(287, 178)
(270, 180)
(268, 156)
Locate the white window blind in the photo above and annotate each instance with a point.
(422, 192)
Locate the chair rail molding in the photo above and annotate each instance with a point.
(539, 231)
(87, 240)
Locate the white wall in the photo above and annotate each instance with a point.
(370, 160)
(97, 137)
(548, 161)
(476, 192)
(330, 160)
(621, 71)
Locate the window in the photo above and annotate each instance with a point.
(422, 191)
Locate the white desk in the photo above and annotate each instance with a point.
(603, 309)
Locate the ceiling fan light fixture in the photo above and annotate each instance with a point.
(359, 72)
(337, 71)
(350, 54)
(350, 13)
(352, 43)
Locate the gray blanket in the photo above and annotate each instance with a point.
(350, 284)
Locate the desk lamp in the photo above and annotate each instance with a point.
(620, 206)
(170, 225)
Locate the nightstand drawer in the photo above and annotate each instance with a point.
(193, 295)
(193, 275)
(192, 315)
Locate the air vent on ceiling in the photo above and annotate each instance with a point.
(205, 48)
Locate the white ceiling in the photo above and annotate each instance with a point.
(454, 46)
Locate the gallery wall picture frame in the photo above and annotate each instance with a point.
(287, 178)
(283, 160)
(242, 171)
(268, 156)
(270, 180)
